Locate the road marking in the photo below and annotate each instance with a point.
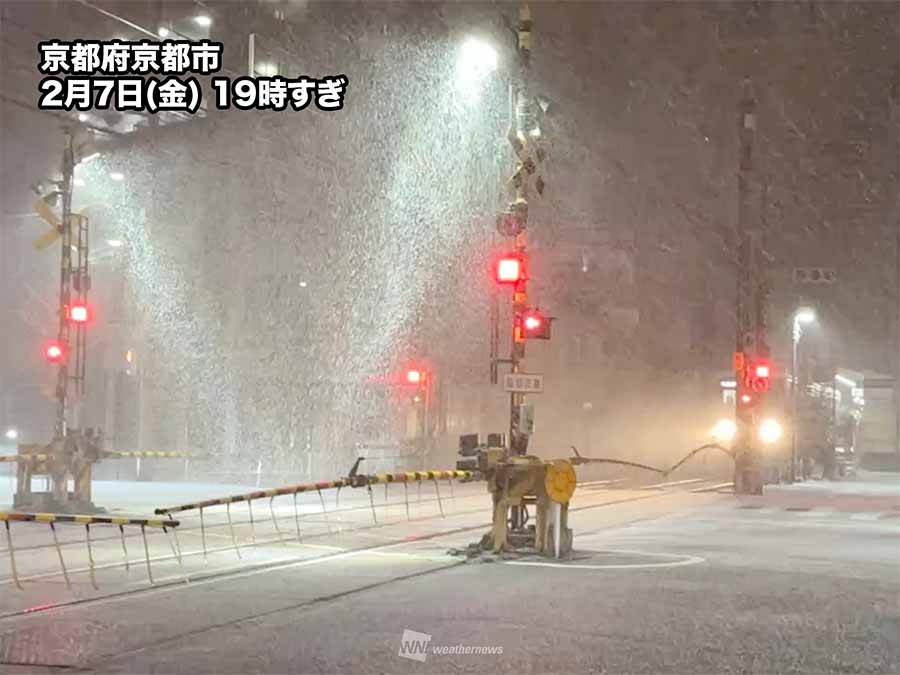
(758, 509)
(865, 516)
(814, 513)
(600, 483)
(714, 488)
(687, 481)
(681, 561)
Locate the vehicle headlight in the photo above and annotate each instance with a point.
(724, 430)
(769, 431)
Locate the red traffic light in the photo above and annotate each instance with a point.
(756, 377)
(533, 322)
(761, 371)
(535, 325)
(79, 313)
(510, 269)
(54, 351)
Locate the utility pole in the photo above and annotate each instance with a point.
(751, 349)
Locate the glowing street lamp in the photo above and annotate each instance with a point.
(476, 61)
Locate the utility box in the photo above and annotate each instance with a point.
(526, 419)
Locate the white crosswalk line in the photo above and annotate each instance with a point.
(865, 516)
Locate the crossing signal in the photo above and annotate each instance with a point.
(79, 313)
(510, 269)
(533, 323)
(757, 377)
(415, 376)
(536, 325)
(54, 351)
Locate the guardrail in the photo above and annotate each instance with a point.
(165, 524)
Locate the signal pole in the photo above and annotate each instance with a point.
(519, 108)
(523, 134)
(752, 296)
(74, 283)
(521, 121)
(65, 282)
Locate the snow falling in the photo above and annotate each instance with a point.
(273, 266)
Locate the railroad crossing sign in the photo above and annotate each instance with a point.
(523, 383)
(48, 216)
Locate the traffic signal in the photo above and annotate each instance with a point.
(79, 312)
(509, 269)
(535, 325)
(756, 377)
(415, 376)
(54, 351)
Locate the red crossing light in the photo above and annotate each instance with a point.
(535, 325)
(533, 322)
(54, 351)
(761, 381)
(414, 376)
(510, 269)
(756, 377)
(79, 313)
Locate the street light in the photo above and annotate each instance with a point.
(12, 434)
(477, 59)
(802, 315)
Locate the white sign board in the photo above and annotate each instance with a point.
(523, 383)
